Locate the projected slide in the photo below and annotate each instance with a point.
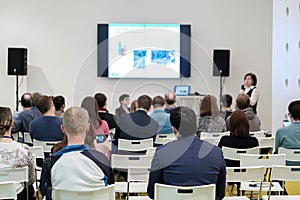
(144, 51)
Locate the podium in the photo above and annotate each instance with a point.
(192, 102)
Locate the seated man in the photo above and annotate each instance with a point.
(124, 103)
(243, 103)
(289, 136)
(137, 125)
(160, 116)
(103, 112)
(76, 167)
(170, 99)
(46, 127)
(187, 161)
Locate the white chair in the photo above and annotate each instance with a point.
(8, 190)
(283, 173)
(47, 145)
(27, 138)
(205, 192)
(134, 145)
(234, 154)
(258, 134)
(37, 152)
(246, 174)
(15, 136)
(292, 155)
(106, 193)
(262, 160)
(267, 142)
(138, 176)
(164, 138)
(150, 150)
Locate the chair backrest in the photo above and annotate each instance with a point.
(212, 135)
(27, 138)
(37, 151)
(257, 134)
(234, 154)
(291, 154)
(134, 145)
(15, 136)
(14, 174)
(262, 160)
(47, 145)
(123, 161)
(164, 138)
(107, 193)
(214, 141)
(140, 174)
(239, 174)
(205, 192)
(285, 173)
(150, 150)
(8, 190)
(267, 142)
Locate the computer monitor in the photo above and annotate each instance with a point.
(182, 90)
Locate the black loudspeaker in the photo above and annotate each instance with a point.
(17, 61)
(221, 62)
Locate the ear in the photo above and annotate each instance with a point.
(63, 129)
(88, 126)
(175, 131)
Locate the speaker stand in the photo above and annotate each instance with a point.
(17, 92)
(221, 88)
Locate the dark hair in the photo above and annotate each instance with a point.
(101, 99)
(144, 102)
(44, 103)
(253, 77)
(90, 104)
(294, 109)
(133, 106)
(58, 101)
(184, 120)
(122, 97)
(209, 106)
(5, 119)
(239, 124)
(158, 102)
(170, 98)
(226, 100)
(242, 101)
(35, 96)
(26, 100)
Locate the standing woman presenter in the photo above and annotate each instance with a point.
(249, 88)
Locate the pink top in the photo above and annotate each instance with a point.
(103, 129)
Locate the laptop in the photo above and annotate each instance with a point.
(182, 90)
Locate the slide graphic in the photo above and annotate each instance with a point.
(162, 57)
(139, 59)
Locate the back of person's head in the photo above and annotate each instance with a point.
(294, 109)
(184, 120)
(35, 97)
(209, 106)
(122, 97)
(133, 106)
(158, 102)
(76, 121)
(239, 124)
(90, 104)
(26, 100)
(242, 101)
(5, 120)
(226, 100)
(59, 102)
(170, 98)
(101, 99)
(144, 102)
(253, 77)
(44, 103)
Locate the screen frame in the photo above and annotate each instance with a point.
(178, 86)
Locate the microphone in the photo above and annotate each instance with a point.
(242, 87)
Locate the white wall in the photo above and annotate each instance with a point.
(286, 63)
(61, 38)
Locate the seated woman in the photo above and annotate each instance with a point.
(14, 154)
(210, 121)
(239, 135)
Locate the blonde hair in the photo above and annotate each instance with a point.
(75, 121)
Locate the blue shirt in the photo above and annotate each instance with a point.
(163, 120)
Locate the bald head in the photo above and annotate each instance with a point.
(170, 98)
(76, 121)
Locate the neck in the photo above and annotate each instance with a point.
(28, 108)
(161, 108)
(124, 107)
(49, 113)
(143, 109)
(76, 140)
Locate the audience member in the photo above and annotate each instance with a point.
(103, 112)
(133, 106)
(242, 103)
(25, 103)
(124, 103)
(210, 121)
(35, 98)
(187, 161)
(46, 127)
(14, 154)
(21, 124)
(249, 88)
(137, 125)
(94, 171)
(226, 102)
(239, 135)
(170, 99)
(289, 136)
(160, 116)
(59, 103)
